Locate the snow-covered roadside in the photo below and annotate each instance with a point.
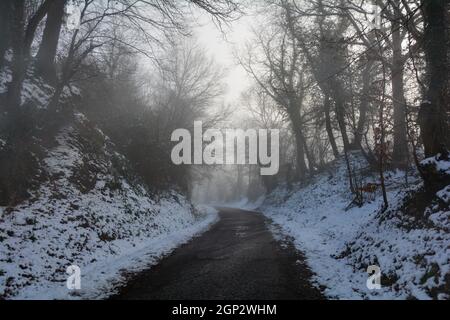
(101, 279)
(87, 213)
(340, 245)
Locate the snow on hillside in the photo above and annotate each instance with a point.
(89, 213)
(339, 245)
(35, 91)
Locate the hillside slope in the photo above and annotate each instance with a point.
(90, 211)
(413, 253)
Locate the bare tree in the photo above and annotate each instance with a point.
(45, 58)
(23, 29)
(281, 75)
(433, 114)
(5, 28)
(327, 58)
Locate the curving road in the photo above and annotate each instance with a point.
(238, 258)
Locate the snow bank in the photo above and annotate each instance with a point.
(87, 213)
(340, 245)
(441, 165)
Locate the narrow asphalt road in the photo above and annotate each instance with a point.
(238, 258)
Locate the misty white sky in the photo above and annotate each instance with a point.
(222, 45)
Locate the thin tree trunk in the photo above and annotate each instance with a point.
(381, 157)
(329, 127)
(382, 148)
(340, 115)
(363, 107)
(400, 153)
(18, 64)
(349, 171)
(45, 59)
(299, 144)
(5, 28)
(309, 156)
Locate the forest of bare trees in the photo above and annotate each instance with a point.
(339, 76)
(356, 76)
(351, 98)
(96, 47)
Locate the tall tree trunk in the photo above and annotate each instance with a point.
(5, 28)
(45, 59)
(309, 155)
(400, 153)
(364, 104)
(382, 153)
(340, 116)
(433, 117)
(21, 40)
(299, 144)
(329, 127)
(18, 64)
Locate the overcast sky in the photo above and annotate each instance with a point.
(222, 45)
